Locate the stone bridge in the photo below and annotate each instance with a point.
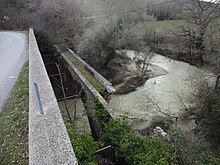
(49, 142)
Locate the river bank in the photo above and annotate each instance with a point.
(164, 97)
(126, 77)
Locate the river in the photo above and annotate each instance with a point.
(164, 94)
(81, 121)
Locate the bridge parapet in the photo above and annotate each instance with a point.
(96, 74)
(49, 143)
(89, 95)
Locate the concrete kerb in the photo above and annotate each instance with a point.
(49, 143)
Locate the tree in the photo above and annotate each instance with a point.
(110, 32)
(142, 61)
(57, 18)
(208, 119)
(199, 14)
(60, 19)
(103, 39)
(166, 11)
(16, 13)
(190, 150)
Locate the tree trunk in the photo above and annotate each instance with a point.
(110, 56)
(217, 83)
(100, 59)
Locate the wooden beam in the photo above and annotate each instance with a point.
(55, 75)
(69, 97)
(104, 150)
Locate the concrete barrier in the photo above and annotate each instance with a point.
(96, 74)
(90, 94)
(49, 143)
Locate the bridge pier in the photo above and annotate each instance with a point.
(91, 115)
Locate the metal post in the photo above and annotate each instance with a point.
(37, 93)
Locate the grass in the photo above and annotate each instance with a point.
(85, 73)
(160, 27)
(18, 31)
(163, 24)
(167, 25)
(14, 124)
(163, 28)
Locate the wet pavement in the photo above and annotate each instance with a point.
(13, 54)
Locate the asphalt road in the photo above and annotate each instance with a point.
(13, 54)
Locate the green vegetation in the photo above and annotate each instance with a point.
(208, 119)
(14, 124)
(168, 24)
(132, 149)
(172, 25)
(191, 150)
(18, 31)
(85, 73)
(164, 27)
(23, 32)
(161, 24)
(128, 146)
(83, 144)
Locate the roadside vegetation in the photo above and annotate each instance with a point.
(208, 120)
(14, 123)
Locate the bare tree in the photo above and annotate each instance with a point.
(200, 15)
(59, 18)
(142, 61)
(16, 13)
(110, 31)
(148, 103)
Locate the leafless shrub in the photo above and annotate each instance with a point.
(142, 61)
